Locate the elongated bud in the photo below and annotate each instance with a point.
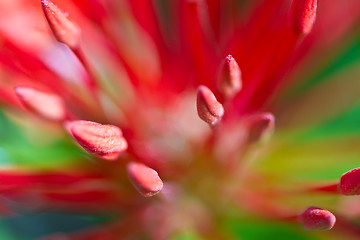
(260, 126)
(105, 141)
(46, 105)
(146, 180)
(303, 15)
(315, 219)
(65, 30)
(350, 182)
(229, 78)
(208, 108)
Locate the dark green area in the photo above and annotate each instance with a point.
(34, 226)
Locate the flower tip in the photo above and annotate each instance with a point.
(46, 105)
(104, 141)
(229, 79)
(260, 126)
(64, 30)
(350, 182)
(303, 15)
(316, 219)
(208, 108)
(146, 180)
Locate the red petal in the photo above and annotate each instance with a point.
(105, 141)
(146, 180)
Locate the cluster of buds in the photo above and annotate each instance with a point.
(151, 134)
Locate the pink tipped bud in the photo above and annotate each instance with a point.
(350, 182)
(209, 109)
(146, 180)
(229, 79)
(105, 141)
(314, 219)
(260, 126)
(47, 105)
(303, 15)
(65, 30)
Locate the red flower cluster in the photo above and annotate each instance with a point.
(125, 91)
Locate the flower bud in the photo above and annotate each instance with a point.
(350, 182)
(229, 78)
(65, 30)
(315, 219)
(303, 15)
(260, 126)
(46, 105)
(105, 141)
(146, 180)
(208, 108)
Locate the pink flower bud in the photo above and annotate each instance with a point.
(208, 108)
(350, 182)
(229, 78)
(259, 126)
(146, 180)
(314, 219)
(46, 105)
(303, 15)
(65, 30)
(105, 141)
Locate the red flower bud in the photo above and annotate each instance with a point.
(229, 78)
(47, 105)
(350, 182)
(65, 30)
(303, 15)
(208, 108)
(105, 141)
(259, 126)
(314, 219)
(146, 180)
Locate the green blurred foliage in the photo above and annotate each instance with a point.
(18, 149)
